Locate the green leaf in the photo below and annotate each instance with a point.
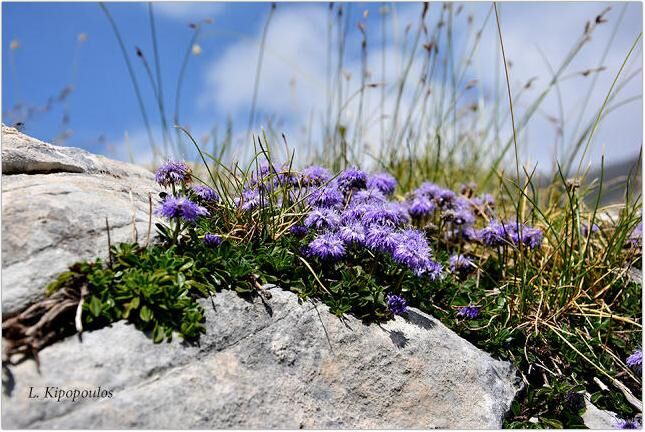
(145, 314)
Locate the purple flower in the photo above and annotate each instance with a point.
(494, 235)
(327, 196)
(461, 218)
(382, 182)
(380, 238)
(483, 203)
(636, 359)
(298, 230)
(428, 190)
(461, 265)
(445, 198)
(351, 178)
(386, 214)
(250, 199)
(172, 173)
(412, 250)
(421, 207)
(468, 312)
(352, 234)
(370, 196)
(575, 400)
(181, 207)
(315, 176)
(397, 304)
(584, 229)
(531, 237)
(628, 424)
(327, 247)
(432, 271)
(322, 218)
(355, 213)
(205, 193)
(212, 240)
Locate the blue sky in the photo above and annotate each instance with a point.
(47, 56)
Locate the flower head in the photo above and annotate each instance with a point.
(351, 178)
(206, 193)
(628, 424)
(327, 247)
(327, 196)
(212, 240)
(411, 249)
(386, 214)
(172, 173)
(460, 218)
(370, 196)
(575, 400)
(636, 359)
(382, 182)
(314, 176)
(181, 207)
(584, 229)
(352, 234)
(250, 199)
(298, 230)
(320, 218)
(468, 312)
(461, 265)
(421, 207)
(380, 238)
(428, 190)
(493, 235)
(397, 304)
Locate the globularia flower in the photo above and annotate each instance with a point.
(250, 199)
(461, 218)
(494, 234)
(327, 196)
(575, 400)
(421, 207)
(314, 176)
(181, 207)
(461, 265)
(205, 193)
(382, 182)
(584, 229)
(370, 196)
(352, 234)
(380, 238)
(432, 271)
(412, 250)
(327, 246)
(351, 178)
(173, 173)
(445, 198)
(429, 190)
(298, 230)
(636, 359)
(468, 312)
(322, 218)
(386, 214)
(212, 240)
(397, 304)
(628, 424)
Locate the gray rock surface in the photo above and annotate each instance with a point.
(54, 204)
(279, 363)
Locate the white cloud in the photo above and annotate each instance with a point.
(293, 83)
(187, 11)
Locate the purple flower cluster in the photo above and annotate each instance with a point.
(383, 182)
(173, 173)
(468, 312)
(181, 208)
(397, 304)
(327, 247)
(635, 360)
(628, 424)
(510, 233)
(205, 193)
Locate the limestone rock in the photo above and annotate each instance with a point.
(278, 363)
(54, 204)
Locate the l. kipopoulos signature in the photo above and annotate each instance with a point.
(60, 394)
